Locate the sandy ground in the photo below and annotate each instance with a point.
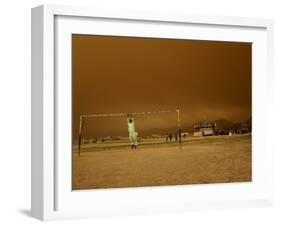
(215, 159)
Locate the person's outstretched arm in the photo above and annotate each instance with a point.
(129, 116)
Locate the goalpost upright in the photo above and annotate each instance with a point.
(179, 126)
(81, 123)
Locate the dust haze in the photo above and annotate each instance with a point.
(206, 80)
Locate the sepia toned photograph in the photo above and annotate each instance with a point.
(160, 112)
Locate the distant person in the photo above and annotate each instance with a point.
(170, 136)
(133, 135)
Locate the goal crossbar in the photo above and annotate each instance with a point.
(81, 124)
(125, 114)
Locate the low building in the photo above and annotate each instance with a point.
(204, 129)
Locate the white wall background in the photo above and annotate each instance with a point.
(15, 111)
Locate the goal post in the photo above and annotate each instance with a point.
(82, 122)
(179, 125)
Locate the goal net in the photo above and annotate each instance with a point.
(111, 130)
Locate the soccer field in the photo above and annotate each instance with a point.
(216, 159)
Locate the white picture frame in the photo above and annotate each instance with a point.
(52, 198)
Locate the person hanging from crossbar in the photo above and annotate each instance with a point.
(133, 135)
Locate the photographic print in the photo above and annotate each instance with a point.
(160, 112)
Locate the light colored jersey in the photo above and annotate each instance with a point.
(131, 126)
(132, 133)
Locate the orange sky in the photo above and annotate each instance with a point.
(206, 80)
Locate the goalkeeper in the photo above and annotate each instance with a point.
(133, 135)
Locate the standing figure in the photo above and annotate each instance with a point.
(133, 135)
